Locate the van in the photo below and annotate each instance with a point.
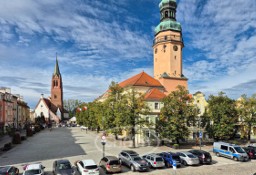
(231, 151)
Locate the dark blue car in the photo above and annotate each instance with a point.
(169, 158)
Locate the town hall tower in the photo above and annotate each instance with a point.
(167, 48)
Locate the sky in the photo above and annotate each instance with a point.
(101, 41)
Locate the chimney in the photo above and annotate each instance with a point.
(42, 96)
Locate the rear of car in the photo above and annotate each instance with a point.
(111, 164)
(188, 158)
(9, 170)
(114, 166)
(204, 157)
(154, 160)
(88, 167)
(138, 164)
(176, 157)
(34, 169)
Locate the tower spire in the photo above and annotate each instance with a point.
(56, 69)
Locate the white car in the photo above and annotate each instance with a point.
(87, 167)
(34, 169)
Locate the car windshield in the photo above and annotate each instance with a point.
(114, 162)
(191, 156)
(176, 157)
(239, 150)
(158, 159)
(3, 170)
(137, 158)
(32, 172)
(91, 167)
(64, 166)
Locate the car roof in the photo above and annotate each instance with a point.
(33, 166)
(130, 151)
(62, 161)
(4, 168)
(185, 152)
(111, 157)
(88, 162)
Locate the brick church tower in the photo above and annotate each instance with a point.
(56, 87)
(167, 48)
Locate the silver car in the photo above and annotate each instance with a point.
(154, 160)
(188, 158)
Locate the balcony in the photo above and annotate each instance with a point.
(167, 38)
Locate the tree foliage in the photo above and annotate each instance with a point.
(247, 113)
(177, 113)
(223, 115)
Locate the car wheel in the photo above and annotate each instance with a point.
(235, 158)
(218, 154)
(132, 168)
(168, 165)
(185, 163)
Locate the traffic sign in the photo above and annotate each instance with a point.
(200, 135)
(174, 165)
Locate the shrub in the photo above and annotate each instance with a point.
(175, 146)
(7, 146)
(16, 139)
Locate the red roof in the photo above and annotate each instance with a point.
(154, 94)
(141, 79)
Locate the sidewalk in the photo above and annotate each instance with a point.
(7, 139)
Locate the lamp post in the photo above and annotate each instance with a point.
(103, 142)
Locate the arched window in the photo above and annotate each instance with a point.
(166, 14)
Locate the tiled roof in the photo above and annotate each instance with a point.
(154, 94)
(141, 79)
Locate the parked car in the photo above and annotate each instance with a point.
(168, 159)
(62, 167)
(9, 170)
(154, 160)
(125, 156)
(133, 160)
(111, 164)
(177, 158)
(231, 151)
(250, 152)
(188, 158)
(34, 169)
(86, 167)
(204, 156)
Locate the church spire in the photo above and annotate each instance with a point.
(56, 69)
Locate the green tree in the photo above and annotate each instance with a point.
(247, 113)
(176, 115)
(223, 115)
(134, 107)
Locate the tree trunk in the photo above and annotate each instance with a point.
(133, 137)
(177, 141)
(249, 133)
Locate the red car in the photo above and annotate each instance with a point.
(250, 151)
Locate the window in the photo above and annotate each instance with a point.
(156, 105)
(166, 14)
(156, 51)
(224, 147)
(55, 96)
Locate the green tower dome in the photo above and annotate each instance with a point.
(168, 25)
(163, 2)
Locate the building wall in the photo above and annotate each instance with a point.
(171, 84)
(166, 59)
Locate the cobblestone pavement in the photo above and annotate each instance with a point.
(74, 144)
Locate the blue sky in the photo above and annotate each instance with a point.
(101, 41)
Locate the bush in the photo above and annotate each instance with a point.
(16, 139)
(7, 146)
(176, 146)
